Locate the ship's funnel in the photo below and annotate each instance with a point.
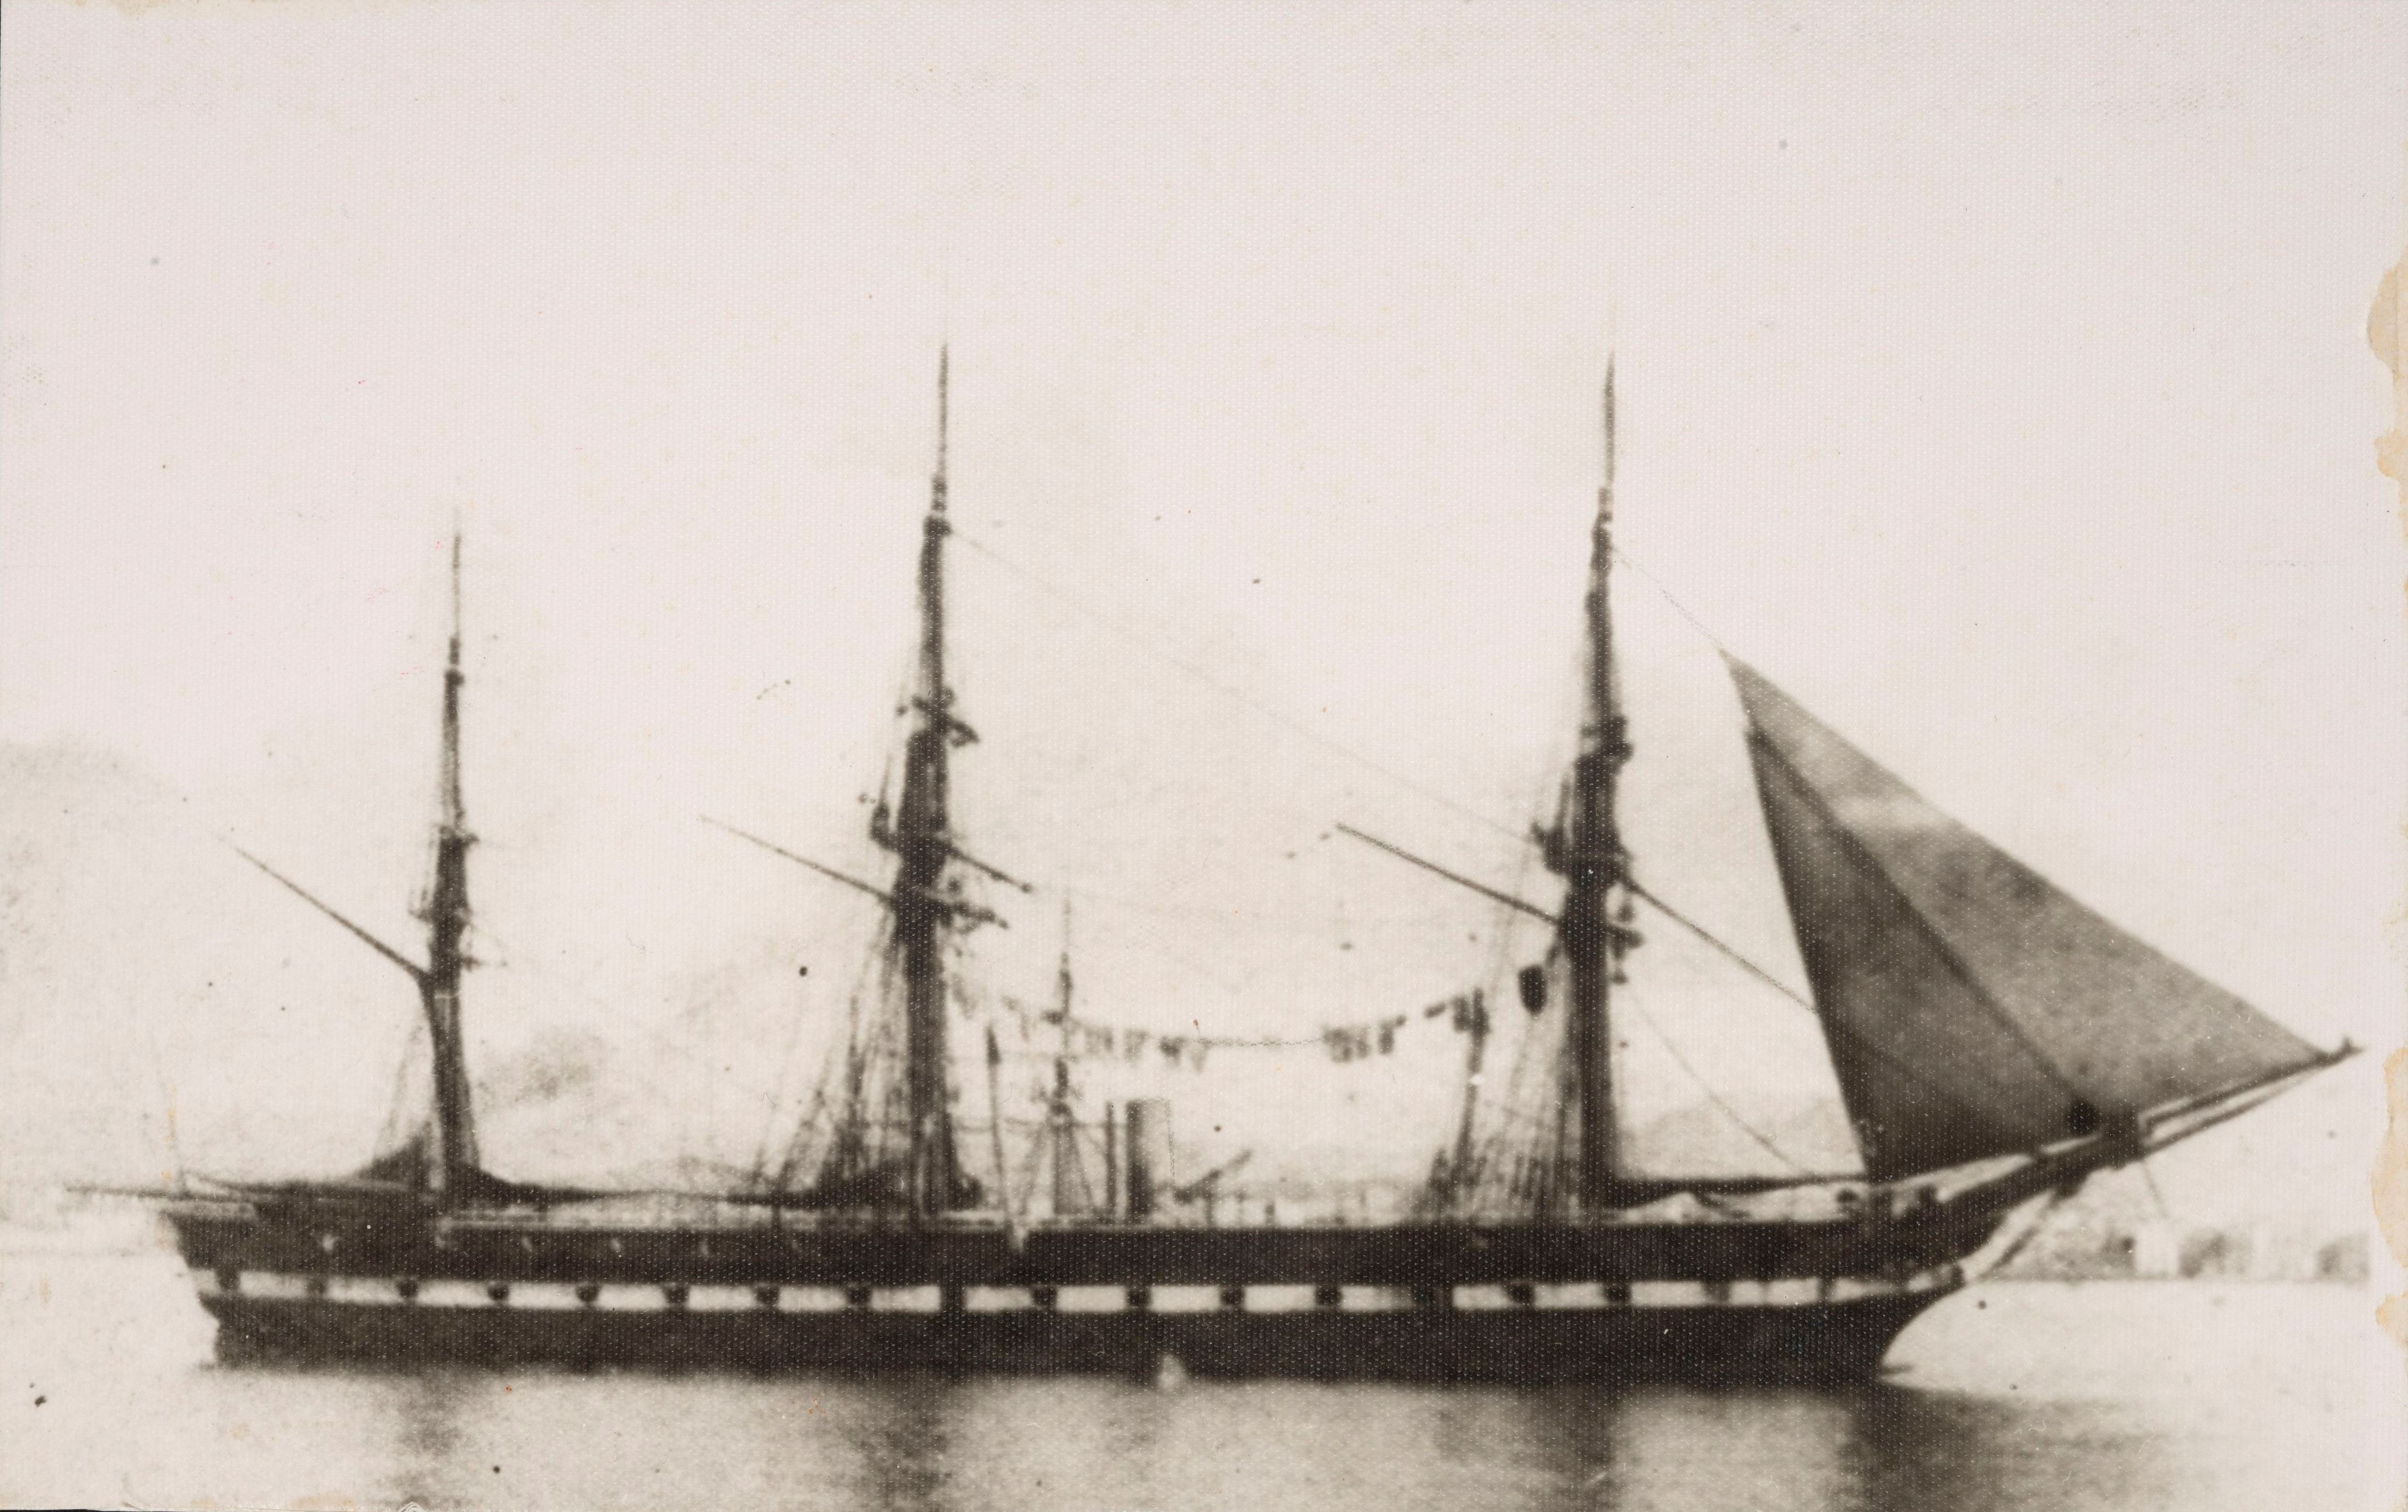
(1149, 1153)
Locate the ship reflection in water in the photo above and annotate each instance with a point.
(2189, 1395)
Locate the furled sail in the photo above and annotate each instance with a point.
(1973, 1009)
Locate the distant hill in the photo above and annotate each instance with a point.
(145, 967)
(96, 877)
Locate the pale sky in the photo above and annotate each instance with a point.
(1998, 383)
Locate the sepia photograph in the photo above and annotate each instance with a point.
(996, 756)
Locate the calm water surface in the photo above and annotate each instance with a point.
(2103, 1396)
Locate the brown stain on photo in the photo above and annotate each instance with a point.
(2386, 331)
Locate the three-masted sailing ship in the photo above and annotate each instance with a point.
(1995, 1043)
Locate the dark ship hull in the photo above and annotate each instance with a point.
(1817, 1343)
(1769, 1300)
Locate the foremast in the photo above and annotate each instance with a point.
(439, 1160)
(1584, 848)
(444, 909)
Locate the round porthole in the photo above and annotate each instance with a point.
(589, 1294)
(405, 1288)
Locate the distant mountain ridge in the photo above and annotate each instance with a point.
(144, 966)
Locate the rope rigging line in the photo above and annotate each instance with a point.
(1729, 951)
(1830, 1025)
(819, 1090)
(1510, 1114)
(1522, 1121)
(1288, 918)
(1669, 597)
(1833, 1026)
(1286, 721)
(1714, 1097)
(1336, 747)
(390, 1133)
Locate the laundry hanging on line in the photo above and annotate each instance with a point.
(1465, 1013)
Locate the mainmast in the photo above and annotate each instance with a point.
(926, 906)
(445, 912)
(1584, 848)
(921, 838)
